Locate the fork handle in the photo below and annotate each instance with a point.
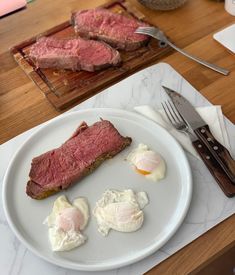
(199, 60)
(215, 169)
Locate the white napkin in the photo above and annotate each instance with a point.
(212, 115)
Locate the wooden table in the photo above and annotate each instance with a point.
(22, 106)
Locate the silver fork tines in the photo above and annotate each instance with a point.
(175, 117)
(177, 120)
(146, 29)
(151, 31)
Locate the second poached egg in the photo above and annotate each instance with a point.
(120, 210)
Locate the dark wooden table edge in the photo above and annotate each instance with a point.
(209, 260)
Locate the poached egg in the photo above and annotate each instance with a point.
(120, 210)
(66, 222)
(147, 162)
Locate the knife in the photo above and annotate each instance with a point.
(202, 130)
(213, 166)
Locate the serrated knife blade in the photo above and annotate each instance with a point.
(186, 109)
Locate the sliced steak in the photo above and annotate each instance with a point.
(81, 154)
(74, 54)
(113, 28)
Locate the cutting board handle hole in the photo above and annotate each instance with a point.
(162, 44)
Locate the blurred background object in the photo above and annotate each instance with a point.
(162, 4)
(230, 6)
(9, 6)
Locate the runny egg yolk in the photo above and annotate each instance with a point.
(143, 172)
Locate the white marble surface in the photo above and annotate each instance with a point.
(209, 205)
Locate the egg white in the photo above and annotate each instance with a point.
(66, 240)
(120, 211)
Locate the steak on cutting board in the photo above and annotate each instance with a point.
(74, 54)
(113, 28)
(59, 168)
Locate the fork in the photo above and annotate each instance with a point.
(177, 120)
(213, 166)
(159, 35)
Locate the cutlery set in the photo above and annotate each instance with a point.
(183, 116)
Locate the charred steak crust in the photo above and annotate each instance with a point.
(87, 148)
(75, 54)
(115, 29)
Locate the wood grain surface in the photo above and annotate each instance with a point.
(23, 106)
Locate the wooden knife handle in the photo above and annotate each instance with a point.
(220, 153)
(215, 169)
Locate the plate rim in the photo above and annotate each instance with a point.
(99, 266)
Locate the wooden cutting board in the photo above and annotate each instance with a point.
(63, 88)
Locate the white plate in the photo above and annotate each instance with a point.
(169, 198)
